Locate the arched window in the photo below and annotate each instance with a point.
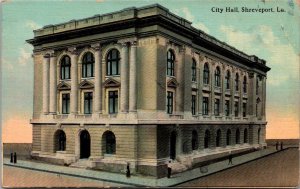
(206, 74)
(228, 137)
(237, 136)
(217, 77)
(206, 139)
(245, 135)
(109, 142)
(245, 84)
(194, 140)
(112, 62)
(227, 79)
(170, 63)
(218, 138)
(88, 63)
(237, 81)
(194, 73)
(258, 136)
(65, 67)
(60, 140)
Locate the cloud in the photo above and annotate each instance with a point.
(32, 25)
(186, 13)
(282, 57)
(24, 56)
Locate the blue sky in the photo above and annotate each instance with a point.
(271, 36)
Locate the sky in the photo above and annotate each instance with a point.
(271, 36)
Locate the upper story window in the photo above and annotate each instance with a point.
(236, 109)
(170, 97)
(206, 74)
(237, 81)
(112, 62)
(65, 68)
(113, 102)
(170, 63)
(217, 107)
(245, 84)
(217, 77)
(193, 104)
(65, 105)
(227, 79)
(88, 63)
(205, 106)
(194, 73)
(244, 109)
(227, 107)
(257, 86)
(88, 102)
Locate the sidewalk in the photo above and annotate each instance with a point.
(141, 180)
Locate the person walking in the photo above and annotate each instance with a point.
(169, 169)
(128, 171)
(281, 145)
(11, 157)
(15, 157)
(230, 159)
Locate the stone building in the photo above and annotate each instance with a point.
(142, 86)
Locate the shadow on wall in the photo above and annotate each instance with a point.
(23, 150)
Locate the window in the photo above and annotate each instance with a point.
(88, 102)
(245, 84)
(206, 139)
(65, 68)
(237, 82)
(227, 107)
(228, 137)
(60, 140)
(194, 73)
(217, 107)
(205, 106)
(88, 63)
(110, 142)
(113, 102)
(217, 77)
(218, 138)
(65, 108)
(194, 140)
(237, 136)
(112, 62)
(227, 80)
(257, 86)
(236, 109)
(245, 135)
(206, 74)
(170, 63)
(193, 104)
(244, 109)
(170, 96)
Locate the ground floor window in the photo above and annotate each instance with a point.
(109, 140)
(60, 140)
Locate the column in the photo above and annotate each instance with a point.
(132, 78)
(179, 71)
(232, 92)
(74, 82)
(223, 73)
(46, 84)
(53, 85)
(252, 95)
(212, 90)
(241, 94)
(124, 78)
(264, 98)
(98, 80)
(200, 86)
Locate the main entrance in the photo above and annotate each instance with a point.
(173, 145)
(85, 144)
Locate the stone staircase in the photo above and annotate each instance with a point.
(81, 163)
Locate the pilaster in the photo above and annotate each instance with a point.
(74, 81)
(46, 69)
(53, 85)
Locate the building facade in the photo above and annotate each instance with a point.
(142, 86)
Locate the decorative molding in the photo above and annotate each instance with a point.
(63, 86)
(172, 83)
(110, 82)
(86, 84)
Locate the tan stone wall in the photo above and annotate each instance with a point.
(147, 141)
(71, 132)
(36, 137)
(38, 85)
(47, 138)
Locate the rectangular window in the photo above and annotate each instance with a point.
(65, 103)
(88, 102)
(236, 109)
(193, 104)
(217, 107)
(244, 109)
(227, 105)
(205, 106)
(257, 86)
(170, 97)
(113, 102)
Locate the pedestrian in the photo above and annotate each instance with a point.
(15, 157)
(169, 169)
(281, 145)
(128, 171)
(277, 145)
(11, 157)
(230, 159)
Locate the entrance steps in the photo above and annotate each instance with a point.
(177, 167)
(81, 163)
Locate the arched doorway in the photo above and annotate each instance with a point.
(108, 143)
(60, 140)
(237, 136)
(228, 137)
(194, 140)
(207, 139)
(218, 138)
(173, 145)
(246, 136)
(85, 144)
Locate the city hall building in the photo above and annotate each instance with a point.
(142, 86)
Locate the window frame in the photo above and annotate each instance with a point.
(194, 70)
(65, 67)
(90, 101)
(206, 74)
(227, 79)
(245, 84)
(67, 103)
(194, 102)
(170, 102)
(236, 108)
(218, 77)
(110, 60)
(170, 63)
(237, 82)
(227, 108)
(115, 100)
(205, 105)
(85, 65)
(217, 107)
